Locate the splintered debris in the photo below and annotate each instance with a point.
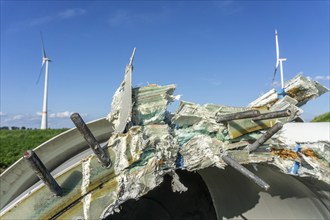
(150, 104)
(148, 142)
(199, 136)
(285, 153)
(177, 186)
(299, 88)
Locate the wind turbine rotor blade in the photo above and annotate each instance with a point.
(276, 66)
(277, 55)
(43, 52)
(274, 73)
(277, 63)
(277, 47)
(42, 66)
(43, 47)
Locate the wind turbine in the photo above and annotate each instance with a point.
(279, 62)
(45, 60)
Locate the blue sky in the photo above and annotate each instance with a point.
(219, 52)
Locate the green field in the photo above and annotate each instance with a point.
(322, 118)
(13, 143)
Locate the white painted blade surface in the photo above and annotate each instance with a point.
(126, 102)
(121, 107)
(312, 132)
(277, 48)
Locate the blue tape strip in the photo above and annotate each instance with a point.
(296, 165)
(295, 168)
(297, 148)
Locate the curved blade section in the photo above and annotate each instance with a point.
(122, 101)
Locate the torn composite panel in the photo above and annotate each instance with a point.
(148, 150)
(191, 139)
(157, 143)
(300, 88)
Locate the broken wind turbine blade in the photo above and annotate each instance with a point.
(159, 143)
(122, 101)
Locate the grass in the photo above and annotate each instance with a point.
(322, 118)
(13, 143)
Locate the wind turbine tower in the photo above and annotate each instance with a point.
(45, 62)
(279, 62)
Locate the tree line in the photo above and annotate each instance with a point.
(14, 128)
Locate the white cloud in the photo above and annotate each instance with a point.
(27, 120)
(40, 21)
(319, 77)
(65, 114)
(322, 77)
(62, 15)
(55, 120)
(227, 8)
(2, 114)
(18, 117)
(126, 17)
(120, 17)
(37, 21)
(69, 13)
